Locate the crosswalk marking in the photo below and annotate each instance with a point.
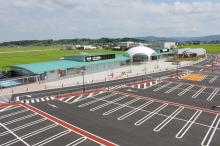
(37, 100)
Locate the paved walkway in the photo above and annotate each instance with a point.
(123, 72)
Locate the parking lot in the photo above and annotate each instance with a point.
(169, 112)
(140, 120)
(20, 126)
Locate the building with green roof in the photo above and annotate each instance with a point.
(71, 65)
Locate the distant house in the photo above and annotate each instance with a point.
(85, 47)
(127, 45)
(189, 52)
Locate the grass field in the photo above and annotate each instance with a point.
(13, 56)
(210, 48)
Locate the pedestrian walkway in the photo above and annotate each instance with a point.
(119, 73)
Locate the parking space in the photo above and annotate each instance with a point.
(20, 126)
(183, 90)
(158, 119)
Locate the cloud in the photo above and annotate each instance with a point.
(41, 19)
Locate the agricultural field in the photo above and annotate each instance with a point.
(24, 55)
(210, 48)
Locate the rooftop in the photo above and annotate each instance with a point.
(41, 67)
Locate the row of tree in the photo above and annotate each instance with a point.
(101, 41)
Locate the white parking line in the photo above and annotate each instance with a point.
(185, 90)
(96, 100)
(4, 109)
(211, 96)
(12, 114)
(213, 79)
(188, 124)
(168, 119)
(58, 135)
(119, 107)
(107, 103)
(30, 134)
(19, 119)
(42, 99)
(116, 87)
(68, 99)
(18, 138)
(78, 98)
(173, 88)
(9, 108)
(81, 99)
(23, 126)
(149, 115)
(209, 135)
(76, 142)
(161, 87)
(163, 115)
(47, 98)
(135, 110)
(198, 92)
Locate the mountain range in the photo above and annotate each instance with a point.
(208, 38)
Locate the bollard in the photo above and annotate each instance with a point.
(150, 83)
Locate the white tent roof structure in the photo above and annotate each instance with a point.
(141, 50)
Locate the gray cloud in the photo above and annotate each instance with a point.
(57, 19)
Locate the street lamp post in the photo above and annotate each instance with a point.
(83, 75)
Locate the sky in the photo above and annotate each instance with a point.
(68, 19)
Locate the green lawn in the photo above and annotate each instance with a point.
(210, 48)
(12, 56)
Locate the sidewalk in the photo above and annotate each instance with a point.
(119, 73)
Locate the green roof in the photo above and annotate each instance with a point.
(42, 67)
